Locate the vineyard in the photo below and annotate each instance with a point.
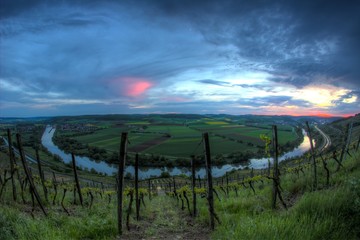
(316, 196)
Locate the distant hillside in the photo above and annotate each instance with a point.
(336, 131)
(245, 118)
(20, 120)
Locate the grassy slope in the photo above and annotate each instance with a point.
(160, 219)
(329, 213)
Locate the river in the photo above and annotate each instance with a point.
(146, 172)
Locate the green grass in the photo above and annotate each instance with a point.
(180, 147)
(330, 212)
(184, 147)
(223, 146)
(174, 130)
(138, 123)
(216, 123)
(317, 215)
(108, 133)
(95, 223)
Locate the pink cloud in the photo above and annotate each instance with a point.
(137, 88)
(132, 86)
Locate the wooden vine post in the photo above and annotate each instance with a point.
(326, 169)
(55, 187)
(276, 166)
(137, 202)
(348, 139)
(313, 156)
(174, 186)
(28, 174)
(76, 179)
(227, 184)
(41, 174)
(128, 212)
(120, 189)
(343, 146)
(193, 183)
(210, 196)
(149, 188)
(276, 174)
(12, 164)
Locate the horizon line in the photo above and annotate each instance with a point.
(172, 113)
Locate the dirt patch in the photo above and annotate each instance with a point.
(147, 144)
(293, 199)
(166, 221)
(191, 232)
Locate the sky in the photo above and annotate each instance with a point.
(238, 57)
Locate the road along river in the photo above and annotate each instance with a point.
(218, 171)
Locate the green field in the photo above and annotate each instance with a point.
(173, 139)
(232, 139)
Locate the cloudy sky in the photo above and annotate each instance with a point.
(190, 56)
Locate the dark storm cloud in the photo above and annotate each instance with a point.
(293, 37)
(65, 48)
(78, 49)
(9, 7)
